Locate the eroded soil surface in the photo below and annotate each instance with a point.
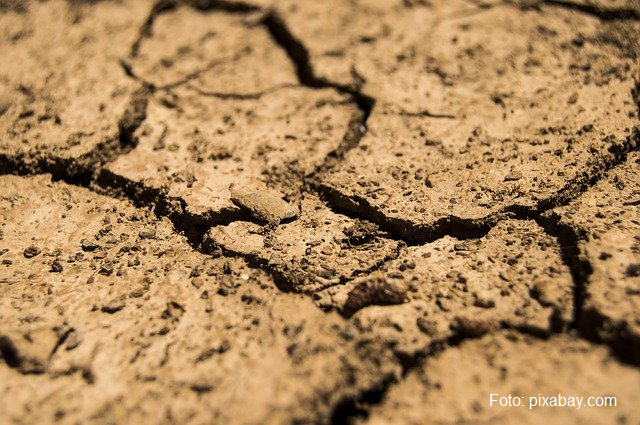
(276, 211)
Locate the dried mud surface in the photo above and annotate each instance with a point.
(273, 211)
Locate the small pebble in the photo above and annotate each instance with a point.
(484, 299)
(513, 176)
(56, 267)
(113, 306)
(264, 204)
(471, 328)
(106, 269)
(88, 245)
(147, 235)
(31, 251)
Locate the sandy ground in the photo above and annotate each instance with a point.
(333, 212)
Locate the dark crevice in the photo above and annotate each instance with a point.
(294, 48)
(63, 337)
(223, 5)
(425, 113)
(568, 238)
(405, 230)
(241, 96)
(286, 280)
(589, 322)
(152, 87)
(413, 233)
(598, 328)
(133, 117)
(81, 171)
(292, 279)
(596, 171)
(86, 373)
(357, 408)
(9, 353)
(146, 30)
(164, 6)
(393, 255)
(602, 13)
(356, 128)
(349, 409)
(192, 226)
(299, 56)
(211, 65)
(74, 172)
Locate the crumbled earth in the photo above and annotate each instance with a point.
(132, 308)
(513, 277)
(608, 224)
(508, 363)
(273, 211)
(65, 95)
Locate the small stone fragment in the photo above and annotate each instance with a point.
(471, 328)
(361, 232)
(106, 269)
(147, 234)
(56, 266)
(73, 340)
(513, 176)
(426, 326)
(88, 245)
(31, 251)
(140, 289)
(484, 299)
(113, 306)
(375, 291)
(264, 204)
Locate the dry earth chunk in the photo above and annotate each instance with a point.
(216, 52)
(512, 277)
(607, 219)
(467, 126)
(263, 204)
(65, 91)
(196, 147)
(454, 387)
(169, 333)
(311, 253)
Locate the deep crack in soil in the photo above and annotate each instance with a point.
(89, 170)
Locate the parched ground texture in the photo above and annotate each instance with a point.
(345, 211)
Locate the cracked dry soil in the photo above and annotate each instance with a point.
(277, 211)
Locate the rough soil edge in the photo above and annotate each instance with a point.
(192, 226)
(603, 13)
(462, 228)
(81, 171)
(299, 56)
(86, 172)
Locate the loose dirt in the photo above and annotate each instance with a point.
(272, 211)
